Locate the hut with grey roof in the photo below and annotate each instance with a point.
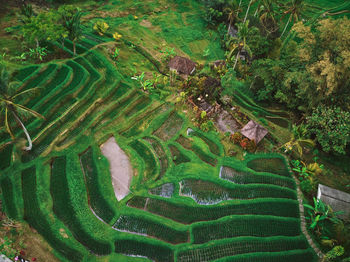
(182, 65)
(254, 131)
(338, 200)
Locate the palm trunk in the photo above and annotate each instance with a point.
(74, 49)
(229, 28)
(284, 30)
(30, 145)
(37, 42)
(246, 13)
(240, 3)
(234, 66)
(257, 9)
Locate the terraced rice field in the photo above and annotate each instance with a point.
(188, 201)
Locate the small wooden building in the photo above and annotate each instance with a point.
(254, 131)
(182, 65)
(338, 200)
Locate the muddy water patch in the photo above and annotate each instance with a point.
(119, 166)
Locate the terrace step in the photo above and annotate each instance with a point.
(247, 225)
(96, 197)
(188, 214)
(38, 219)
(242, 245)
(159, 151)
(64, 206)
(151, 228)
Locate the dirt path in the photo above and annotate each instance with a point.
(121, 170)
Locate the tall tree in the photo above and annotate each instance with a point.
(267, 15)
(71, 19)
(293, 8)
(10, 108)
(239, 43)
(248, 8)
(232, 10)
(44, 26)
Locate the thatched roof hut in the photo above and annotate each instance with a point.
(254, 131)
(182, 65)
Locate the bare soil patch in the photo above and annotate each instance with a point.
(120, 168)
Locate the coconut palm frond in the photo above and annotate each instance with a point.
(26, 109)
(27, 92)
(7, 126)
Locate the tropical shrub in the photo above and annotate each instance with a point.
(319, 214)
(101, 27)
(336, 252)
(331, 126)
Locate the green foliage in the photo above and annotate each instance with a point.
(26, 13)
(101, 27)
(168, 53)
(331, 125)
(236, 45)
(301, 169)
(116, 53)
(146, 84)
(299, 140)
(311, 71)
(319, 214)
(230, 84)
(71, 17)
(306, 186)
(212, 16)
(9, 95)
(46, 26)
(7, 247)
(38, 52)
(336, 252)
(269, 75)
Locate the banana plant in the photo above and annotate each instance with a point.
(319, 213)
(298, 140)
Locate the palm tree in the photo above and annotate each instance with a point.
(10, 108)
(294, 8)
(246, 13)
(298, 140)
(232, 10)
(240, 42)
(72, 23)
(267, 15)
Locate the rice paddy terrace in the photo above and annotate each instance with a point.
(187, 200)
